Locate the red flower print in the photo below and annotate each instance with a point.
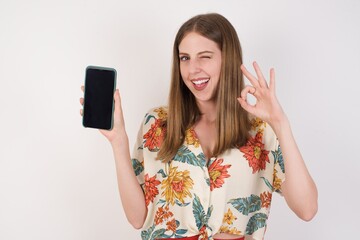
(255, 153)
(150, 188)
(218, 173)
(203, 232)
(265, 199)
(155, 136)
(171, 225)
(162, 214)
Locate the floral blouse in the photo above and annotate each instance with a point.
(187, 196)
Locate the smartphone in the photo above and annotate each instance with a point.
(100, 85)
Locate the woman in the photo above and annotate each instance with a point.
(205, 167)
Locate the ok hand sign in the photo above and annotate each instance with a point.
(267, 106)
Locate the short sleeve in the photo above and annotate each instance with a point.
(279, 168)
(263, 132)
(137, 157)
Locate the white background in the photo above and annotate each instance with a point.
(57, 179)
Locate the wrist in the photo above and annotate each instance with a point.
(120, 139)
(279, 124)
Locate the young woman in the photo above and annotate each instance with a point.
(205, 166)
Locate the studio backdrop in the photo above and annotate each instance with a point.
(58, 179)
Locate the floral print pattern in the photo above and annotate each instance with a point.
(162, 214)
(190, 138)
(154, 137)
(218, 173)
(255, 153)
(150, 188)
(229, 217)
(228, 220)
(265, 199)
(177, 186)
(187, 196)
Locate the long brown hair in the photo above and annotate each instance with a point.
(232, 122)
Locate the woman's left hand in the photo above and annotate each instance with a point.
(267, 107)
(299, 189)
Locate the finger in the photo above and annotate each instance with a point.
(117, 99)
(272, 80)
(249, 76)
(81, 112)
(82, 101)
(259, 74)
(82, 88)
(117, 95)
(245, 105)
(248, 90)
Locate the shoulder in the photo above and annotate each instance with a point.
(154, 128)
(155, 116)
(158, 112)
(262, 130)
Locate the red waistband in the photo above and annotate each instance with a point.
(196, 238)
(185, 238)
(240, 238)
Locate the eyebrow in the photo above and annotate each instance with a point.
(181, 53)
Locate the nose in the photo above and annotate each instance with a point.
(194, 66)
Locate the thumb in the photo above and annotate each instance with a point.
(117, 99)
(117, 96)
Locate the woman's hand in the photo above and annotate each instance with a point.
(117, 133)
(267, 106)
(299, 189)
(131, 193)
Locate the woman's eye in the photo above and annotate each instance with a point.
(208, 57)
(184, 58)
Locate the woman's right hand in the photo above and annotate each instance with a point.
(131, 193)
(117, 133)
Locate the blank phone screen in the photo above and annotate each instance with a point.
(99, 98)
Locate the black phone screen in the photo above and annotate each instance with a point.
(99, 97)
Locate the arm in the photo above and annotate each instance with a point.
(131, 193)
(299, 189)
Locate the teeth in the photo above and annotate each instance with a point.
(198, 82)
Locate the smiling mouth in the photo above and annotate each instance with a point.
(200, 84)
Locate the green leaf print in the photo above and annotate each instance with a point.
(184, 155)
(247, 205)
(160, 233)
(148, 117)
(181, 231)
(202, 159)
(208, 215)
(268, 183)
(207, 181)
(278, 158)
(161, 201)
(257, 221)
(180, 204)
(137, 166)
(145, 234)
(198, 211)
(163, 174)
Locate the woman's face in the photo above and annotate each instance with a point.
(200, 65)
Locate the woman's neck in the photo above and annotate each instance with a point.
(208, 111)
